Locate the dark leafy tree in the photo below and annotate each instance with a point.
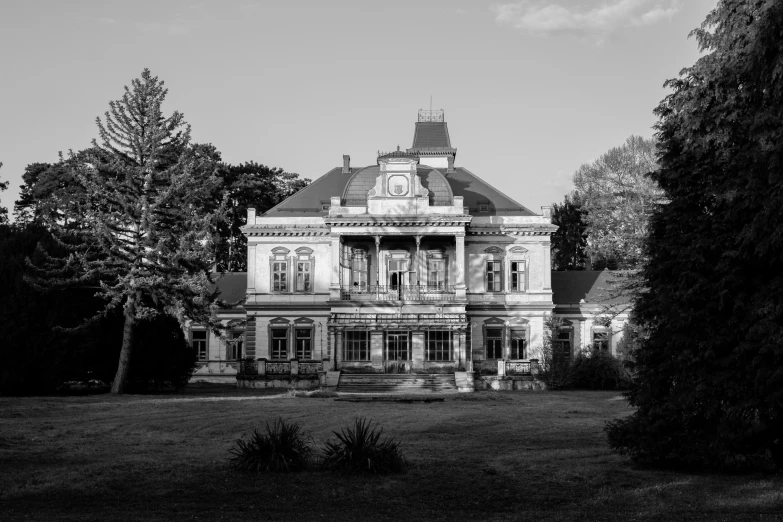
(52, 194)
(570, 240)
(618, 197)
(41, 347)
(249, 185)
(709, 374)
(148, 223)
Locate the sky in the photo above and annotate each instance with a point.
(531, 89)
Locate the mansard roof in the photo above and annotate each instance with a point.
(480, 197)
(571, 286)
(431, 135)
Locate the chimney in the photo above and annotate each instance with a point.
(346, 164)
(450, 159)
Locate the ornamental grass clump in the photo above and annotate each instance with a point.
(284, 447)
(361, 449)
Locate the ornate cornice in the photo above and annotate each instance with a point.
(531, 230)
(395, 221)
(283, 230)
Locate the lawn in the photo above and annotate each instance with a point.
(501, 456)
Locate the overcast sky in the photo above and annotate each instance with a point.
(531, 89)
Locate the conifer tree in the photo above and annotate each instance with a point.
(3, 210)
(570, 240)
(709, 385)
(146, 233)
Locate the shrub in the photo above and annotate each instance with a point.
(599, 371)
(284, 447)
(360, 449)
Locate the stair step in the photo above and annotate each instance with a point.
(396, 383)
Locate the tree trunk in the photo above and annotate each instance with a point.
(118, 386)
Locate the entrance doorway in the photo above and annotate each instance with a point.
(397, 352)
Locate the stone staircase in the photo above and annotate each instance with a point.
(396, 383)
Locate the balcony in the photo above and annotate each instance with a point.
(399, 293)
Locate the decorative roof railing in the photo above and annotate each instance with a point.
(437, 116)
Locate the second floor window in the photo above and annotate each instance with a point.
(359, 271)
(304, 276)
(436, 274)
(517, 276)
(279, 350)
(280, 276)
(493, 276)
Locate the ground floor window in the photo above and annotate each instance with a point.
(199, 344)
(279, 349)
(494, 343)
(356, 346)
(518, 344)
(439, 345)
(601, 341)
(304, 343)
(562, 344)
(398, 346)
(235, 345)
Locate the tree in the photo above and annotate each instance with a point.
(709, 371)
(570, 240)
(3, 210)
(52, 194)
(147, 234)
(618, 198)
(249, 185)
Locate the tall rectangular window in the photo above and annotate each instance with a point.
(279, 276)
(439, 345)
(356, 346)
(436, 274)
(304, 276)
(518, 344)
(235, 345)
(493, 276)
(562, 344)
(304, 343)
(359, 271)
(199, 344)
(601, 341)
(279, 349)
(494, 343)
(517, 276)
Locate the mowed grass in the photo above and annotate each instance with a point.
(489, 456)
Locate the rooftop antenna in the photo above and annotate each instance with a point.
(430, 101)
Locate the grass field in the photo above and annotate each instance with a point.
(512, 456)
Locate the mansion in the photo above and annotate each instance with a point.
(411, 265)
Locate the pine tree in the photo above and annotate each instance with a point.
(3, 210)
(709, 386)
(147, 228)
(570, 240)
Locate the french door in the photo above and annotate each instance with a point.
(397, 351)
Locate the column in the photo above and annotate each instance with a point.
(334, 287)
(417, 262)
(377, 261)
(338, 348)
(547, 265)
(460, 273)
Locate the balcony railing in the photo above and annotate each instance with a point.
(399, 293)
